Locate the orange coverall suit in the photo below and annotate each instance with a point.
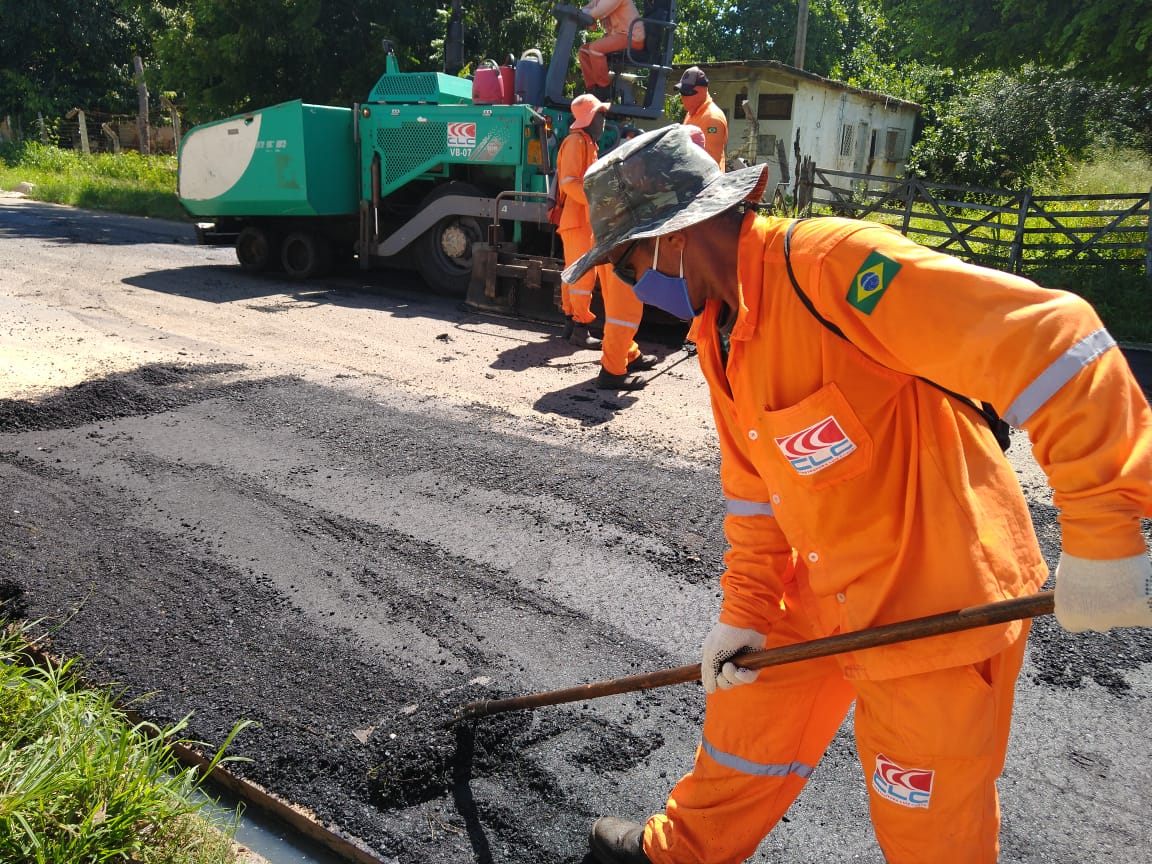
(622, 311)
(859, 495)
(615, 16)
(708, 117)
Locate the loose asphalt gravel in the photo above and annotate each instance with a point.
(343, 509)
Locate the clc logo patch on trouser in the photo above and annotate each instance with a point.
(911, 787)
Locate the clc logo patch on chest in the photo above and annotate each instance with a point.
(908, 787)
(871, 281)
(815, 448)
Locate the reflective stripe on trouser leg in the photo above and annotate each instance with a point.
(764, 739)
(576, 299)
(622, 313)
(932, 746)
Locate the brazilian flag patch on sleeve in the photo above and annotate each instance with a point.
(871, 281)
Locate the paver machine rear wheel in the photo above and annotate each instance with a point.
(444, 251)
(257, 249)
(305, 254)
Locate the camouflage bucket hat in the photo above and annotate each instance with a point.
(655, 184)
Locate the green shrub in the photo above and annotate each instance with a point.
(123, 182)
(79, 783)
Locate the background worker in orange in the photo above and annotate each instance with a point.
(702, 112)
(859, 494)
(615, 17)
(620, 357)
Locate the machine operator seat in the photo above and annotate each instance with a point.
(646, 68)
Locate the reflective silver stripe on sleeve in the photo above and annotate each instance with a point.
(1062, 370)
(758, 769)
(736, 507)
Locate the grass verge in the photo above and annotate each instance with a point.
(122, 183)
(79, 783)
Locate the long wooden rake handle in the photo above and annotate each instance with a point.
(970, 618)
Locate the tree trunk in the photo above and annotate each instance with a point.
(142, 104)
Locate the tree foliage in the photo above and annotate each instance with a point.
(712, 30)
(224, 56)
(1002, 129)
(62, 54)
(1093, 39)
(219, 57)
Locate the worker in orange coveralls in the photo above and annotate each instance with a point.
(859, 494)
(620, 357)
(702, 112)
(615, 17)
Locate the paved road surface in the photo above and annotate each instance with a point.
(317, 506)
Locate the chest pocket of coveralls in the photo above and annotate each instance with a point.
(818, 442)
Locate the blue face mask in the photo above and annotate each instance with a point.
(669, 293)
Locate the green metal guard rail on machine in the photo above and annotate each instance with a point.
(417, 171)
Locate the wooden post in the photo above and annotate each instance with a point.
(167, 103)
(107, 129)
(1016, 260)
(43, 129)
(78, 115)
(801, 32)
(1148, 257)
(84, 148)
(142, 104)
(909, 200)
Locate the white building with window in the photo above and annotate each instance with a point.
(842, 128)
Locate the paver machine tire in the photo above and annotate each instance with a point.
(257, 249)
(444, 251)
(306, 254)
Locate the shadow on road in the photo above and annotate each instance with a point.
(58, 223)
(462, 794)
(400, 293)
(584, 403)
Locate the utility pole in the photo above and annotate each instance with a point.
(801, 32)
(454, 43)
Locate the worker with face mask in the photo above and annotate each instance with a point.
(702, 112)
(860, 493)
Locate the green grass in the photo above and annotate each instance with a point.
(1121, 295)
(79, 783)
(1116, 170)
(122, 183)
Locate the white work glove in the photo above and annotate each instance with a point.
(1099, 595)
(722, 643)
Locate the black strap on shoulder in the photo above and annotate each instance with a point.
(996, 423)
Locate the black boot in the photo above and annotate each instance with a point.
(643, 363)
(607, 381)
(569, 325)
(617, 841)
(581, 338)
